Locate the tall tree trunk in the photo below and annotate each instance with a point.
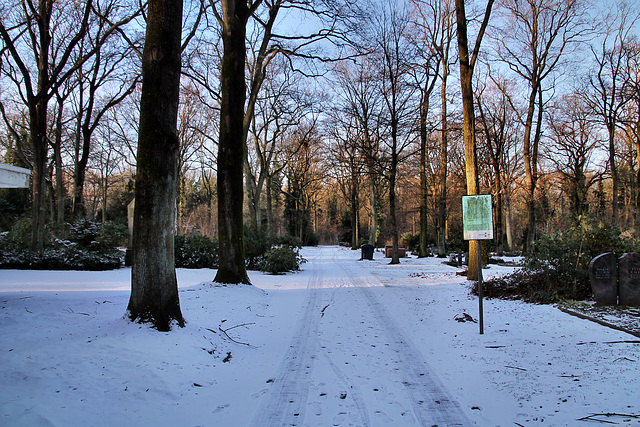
(424, 189)
(80, 159)
(373, 233)
(269, 202)
(154, 288)
(231, 144)
(38, 128)
(355, 235)
(252, 196)
(57, 153)
(615, 178)
(442, 176)
(392, 202)
(466, 76)
(371, 170)
(498, 217)
(508, 223)
(531, 145)
(105, 192)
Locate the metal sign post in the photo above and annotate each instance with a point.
(477, 217)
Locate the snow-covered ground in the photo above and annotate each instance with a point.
(343, 342)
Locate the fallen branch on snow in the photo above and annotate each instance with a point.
(224, 331)
(609, 414)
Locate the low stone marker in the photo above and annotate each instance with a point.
(602, 273)
(629, 269)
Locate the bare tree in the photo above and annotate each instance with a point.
(359, 112)
(231, 143)
(347, 155)
(397, 95)
(497, 126)
(236, 117)
(279, 109)
(573, 141)
(608, 83)
(435, 26)
(39, 45)
(467, 64)
(305, 173)
(534, 37)
(154, 288)
(631, 120)
(103, 82)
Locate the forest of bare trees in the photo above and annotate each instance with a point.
(332, 123)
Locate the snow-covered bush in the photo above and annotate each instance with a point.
(85, 245)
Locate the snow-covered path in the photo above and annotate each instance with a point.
(341, 343)
(350, 361)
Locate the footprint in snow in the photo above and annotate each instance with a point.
(339, 419)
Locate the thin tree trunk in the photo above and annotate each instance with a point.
(355, 237)
(442, 176)
(615, 190)
(392, 203)
(57, 152)
(508, 223)
(424, 189)
(154, 288)
(269, 205)
(373, 233)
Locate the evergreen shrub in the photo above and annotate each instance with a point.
(82, 245)
(281, 259)
(195, 251)
(558, 267)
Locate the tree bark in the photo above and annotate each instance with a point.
(442, 175)
(154, 288)
(57, 154)
(373, 233)
(466, 76)
(424, 189)
(355, 229)
(231, 144)
(38, 105)
(392, 204)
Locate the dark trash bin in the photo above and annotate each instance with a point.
(366, 251)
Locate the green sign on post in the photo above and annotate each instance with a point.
(477, 219)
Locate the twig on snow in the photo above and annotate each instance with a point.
(610, 342)
(625, 358)
(609, 414)
(515, 367)
(224, 331)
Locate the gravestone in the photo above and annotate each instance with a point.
(602, 273)
(366, 251)
(629, 268)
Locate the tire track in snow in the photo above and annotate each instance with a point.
(287, 399)
(431, 403)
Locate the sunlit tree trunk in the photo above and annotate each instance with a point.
(442, 173)
(466, 75)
